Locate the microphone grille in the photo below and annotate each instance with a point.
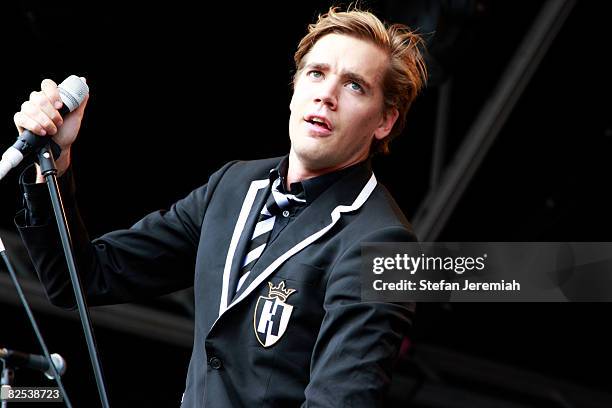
(73, 91)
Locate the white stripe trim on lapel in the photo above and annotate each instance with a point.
(247, 204)
(335, 215)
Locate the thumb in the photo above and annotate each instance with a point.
(80, 110)
(72, 121)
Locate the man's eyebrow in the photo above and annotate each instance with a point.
(317, 66)
(353, 76)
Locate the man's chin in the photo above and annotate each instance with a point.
(313, 158)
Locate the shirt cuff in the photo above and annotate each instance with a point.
(37, 209)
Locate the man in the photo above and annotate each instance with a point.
(276, 243)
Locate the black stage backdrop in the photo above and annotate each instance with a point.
(178, 89)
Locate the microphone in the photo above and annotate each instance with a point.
(72, 93)
(34, 361)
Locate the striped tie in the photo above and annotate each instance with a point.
(277, 202)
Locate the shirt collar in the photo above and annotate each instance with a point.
(312, 187)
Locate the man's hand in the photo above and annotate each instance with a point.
(40, 115)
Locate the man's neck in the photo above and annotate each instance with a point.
(297, 172)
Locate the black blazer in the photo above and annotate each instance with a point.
(299, 333)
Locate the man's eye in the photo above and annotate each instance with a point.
(355, 87)
(315, 74)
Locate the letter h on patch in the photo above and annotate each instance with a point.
(272, 314)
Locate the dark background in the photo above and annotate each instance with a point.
(178, 89)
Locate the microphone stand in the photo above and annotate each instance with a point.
(49, 172)
(7, 378)
(8, 374)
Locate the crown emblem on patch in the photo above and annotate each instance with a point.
(279, 291)
(272, 314)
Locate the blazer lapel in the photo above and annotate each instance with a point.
(346, 195)
(254, 196)
(245, 239)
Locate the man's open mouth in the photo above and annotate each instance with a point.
(319, 123)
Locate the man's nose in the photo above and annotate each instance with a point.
(327, 94)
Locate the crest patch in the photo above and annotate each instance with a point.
(272, 314)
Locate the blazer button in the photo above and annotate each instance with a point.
(285, 213)
(215, 363)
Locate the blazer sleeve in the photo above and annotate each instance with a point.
(358, 342)
(154, 257)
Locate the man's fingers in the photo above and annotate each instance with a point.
(34, 111)
(23, 122)
(50, 89)
(41, 100)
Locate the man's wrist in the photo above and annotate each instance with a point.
(62, 164)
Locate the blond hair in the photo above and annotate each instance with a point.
(406, 74)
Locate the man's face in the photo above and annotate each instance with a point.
(337, 104)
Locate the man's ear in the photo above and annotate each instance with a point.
(386, 124)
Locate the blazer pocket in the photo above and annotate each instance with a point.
(303, 273)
